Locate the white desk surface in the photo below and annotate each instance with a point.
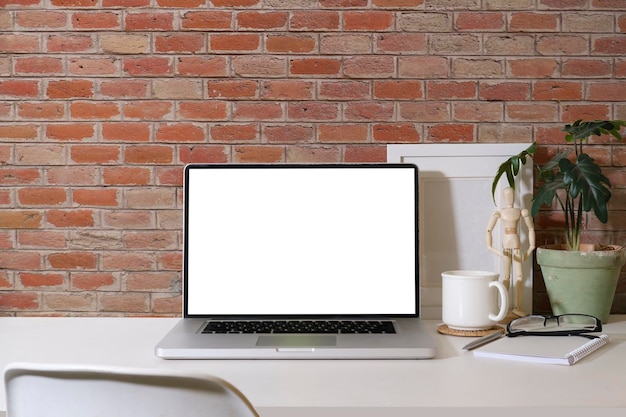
(280, 388)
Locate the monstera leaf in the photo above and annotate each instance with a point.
(585, 179)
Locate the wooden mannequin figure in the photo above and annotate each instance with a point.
(511, 252)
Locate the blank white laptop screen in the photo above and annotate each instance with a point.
(300, 240)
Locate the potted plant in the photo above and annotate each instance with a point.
(579, 278)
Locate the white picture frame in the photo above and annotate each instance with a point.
(455, 205)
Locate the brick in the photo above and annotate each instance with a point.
(241, 42)
(502, 133)
(477, 112)
(20, 301)
(290, 43)
(287, 90)
(343, 133)
(40, 110)
(72, 260)
(557, 90)
(314, 66)
(69, 43)
(430, 111)
(234, 133)
(423, 67)
(126, 176)
(71, 218)
(71, 131)
(425, 22)
(125, 3)
(258, 154)
(92, 281)
(32, 239)
(34, 19)
(180, 43)
(368, 21)
(94, 66)
(396, 133)
(158, 240)
(99, 20)
(477, 68)
(344, 90)
(333, 44)
(70, 89)
(20, 219)
(587, 68)
(533, 68)
(533, 22)
(312, 111)
(74, 3)
(19, 176)
(401, 43)
(234, 89)
(149, 21)
(609, 46)
(129, 302)
(203, 110)
(314, 20)
(563, 45)
(455, 44)
(148, 66)
(126, 131)
(94, 110)
(151, 198)
(37, 196)
(450, 133)
(365, 153)
(42, 280)
(148, 110)
(369, 111)
(124, 88)
(611, 91)
(366, 66)
(504, 91)
(260, 66)
(532, 112)
(83, 301)
(133, 219)
(166, 304)
(212, 20)
(148, 154)
(107, 197)
(254, 20)
(180, 132)
(19, 89)
(202, 66)
(19, 43)
(180, 3)
(151, 281)
(572, 112)
(72, 175)
(480, 21)
(206, 154)
(40, 154)
(39, 66)
(289, 133)
(257, 111)
(313, 154)
(509, 45)
(446, 90)
(177, 89)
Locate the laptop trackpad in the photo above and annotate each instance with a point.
(297, 340)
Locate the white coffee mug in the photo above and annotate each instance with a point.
(469, 302)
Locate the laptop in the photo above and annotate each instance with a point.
(299, 262)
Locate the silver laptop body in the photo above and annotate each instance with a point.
(312, 245)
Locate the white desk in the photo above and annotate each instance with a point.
(340, 388)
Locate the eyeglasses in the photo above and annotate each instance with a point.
(563, 325)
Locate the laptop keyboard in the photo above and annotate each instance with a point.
(300, 326)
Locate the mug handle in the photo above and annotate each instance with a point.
(504, 301)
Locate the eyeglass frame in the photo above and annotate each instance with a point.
(571, 332)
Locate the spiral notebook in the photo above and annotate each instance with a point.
(559, 350)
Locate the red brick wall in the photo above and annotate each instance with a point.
(103, 101)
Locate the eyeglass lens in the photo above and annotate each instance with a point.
(537, 323)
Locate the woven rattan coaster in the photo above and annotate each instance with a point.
(444, 329)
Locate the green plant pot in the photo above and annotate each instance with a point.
(581, 282)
